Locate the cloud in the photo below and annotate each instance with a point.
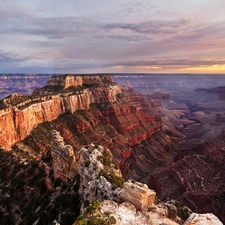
(133, 38)
(133, 8)
(19, 21)
(11, 57)
(163, 64)
(150, 26)
(52, 27)
(128, 35)
(170, 62)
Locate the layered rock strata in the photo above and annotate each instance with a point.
(138, 194)
(56, 83)
(196, 178)
(20, 114)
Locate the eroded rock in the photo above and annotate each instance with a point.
(138, 194)
(64, 160)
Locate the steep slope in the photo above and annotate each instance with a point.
(196, 178)
(93, 109)
(123, 126)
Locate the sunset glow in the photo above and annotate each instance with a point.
(112, 36)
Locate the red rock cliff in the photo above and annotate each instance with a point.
(20, 114)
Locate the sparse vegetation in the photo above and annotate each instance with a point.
(105, 160)
(183, 211)
(116, 182)
(92, 216)
(74, 89)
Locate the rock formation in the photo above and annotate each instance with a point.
(100, 181)
(64, 160)
(125, 213)
(200, 219)
(143, 138)
(196, 178)
(120, 119)
(57, 83)
(19, 115)
(138, 194)
(98, 174)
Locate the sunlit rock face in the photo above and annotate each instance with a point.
(138, 194)
(58, 83)
(120, 119)
(20, 114)
(203, 219)
(125, 213)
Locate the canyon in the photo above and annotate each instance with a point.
(21, 83)
(154, 138)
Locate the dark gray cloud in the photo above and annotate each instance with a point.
(133, 38)
(11, 57)
(149, 27)
(52, 27)
(21, 22)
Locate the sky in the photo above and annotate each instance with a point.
(105, 36)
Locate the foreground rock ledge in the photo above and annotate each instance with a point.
(202, 219)
(138, 194)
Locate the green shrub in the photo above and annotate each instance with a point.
(105, 160)
(116, 182)
(111, 220)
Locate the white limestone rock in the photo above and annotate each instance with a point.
(203, 219)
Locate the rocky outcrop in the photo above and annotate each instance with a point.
(121, 120)
(99, 175)
(203, 219)
(97, 183)
(110, 212)
(57, 83)
(19, 115)
(63, 158)
(124, 213)
(138, 194)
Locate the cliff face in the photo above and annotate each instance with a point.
(120, 119)
(18, 117)
(100, 177)
(56, 83)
